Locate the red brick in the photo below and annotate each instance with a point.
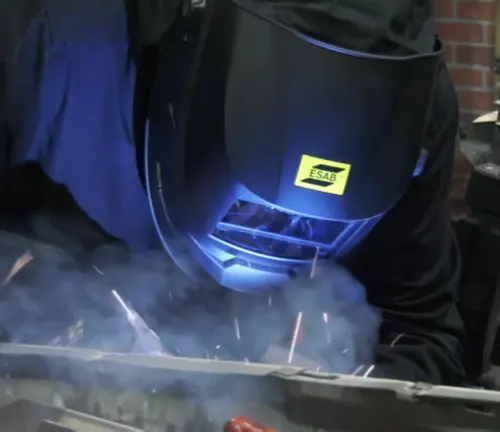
(476, 10)
(445, 9)
(482, 56)
(467, 77)
(481, 100)
(470, 32)
(489, 33)
(449, 53)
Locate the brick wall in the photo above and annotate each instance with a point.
(467, 28)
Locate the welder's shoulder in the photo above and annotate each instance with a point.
(26, 21)
(442, 131)
(151, 18)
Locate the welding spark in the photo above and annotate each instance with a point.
(360, 368)
(217, 348)
(357, 371)
(130, 315)
(98, 270)
(72, 336)
(20, 263)
(298, 321)
(172, 115)
(237, 328)
(296, 331)
(368, 371)
(148, 339)
(314, 263)
(396, 340)
(328, 335)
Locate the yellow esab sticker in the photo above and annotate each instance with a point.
(322, 175)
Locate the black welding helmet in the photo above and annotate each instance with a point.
(279, 147)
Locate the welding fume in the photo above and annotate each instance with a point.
(242, 182)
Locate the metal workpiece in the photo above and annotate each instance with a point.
(481, 144)
(25, 415)
(81, 390)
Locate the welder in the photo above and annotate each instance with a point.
(275, 134)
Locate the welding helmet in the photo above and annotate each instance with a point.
(267, 147)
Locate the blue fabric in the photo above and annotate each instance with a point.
(70, 98)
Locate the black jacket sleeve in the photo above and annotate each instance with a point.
(410, 266)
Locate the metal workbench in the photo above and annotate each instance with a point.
(50, 389)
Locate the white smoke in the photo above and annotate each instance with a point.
(322, 322)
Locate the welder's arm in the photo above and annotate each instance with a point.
(411, 267)
(31, 101)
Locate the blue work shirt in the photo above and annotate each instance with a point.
(70, 94)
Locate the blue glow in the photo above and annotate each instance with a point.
(269, 231)
(265, 232)
(256, 247)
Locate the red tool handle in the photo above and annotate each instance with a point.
(244, 424)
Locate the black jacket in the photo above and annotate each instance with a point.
(409, 264)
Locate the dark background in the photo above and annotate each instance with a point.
(468, 30)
